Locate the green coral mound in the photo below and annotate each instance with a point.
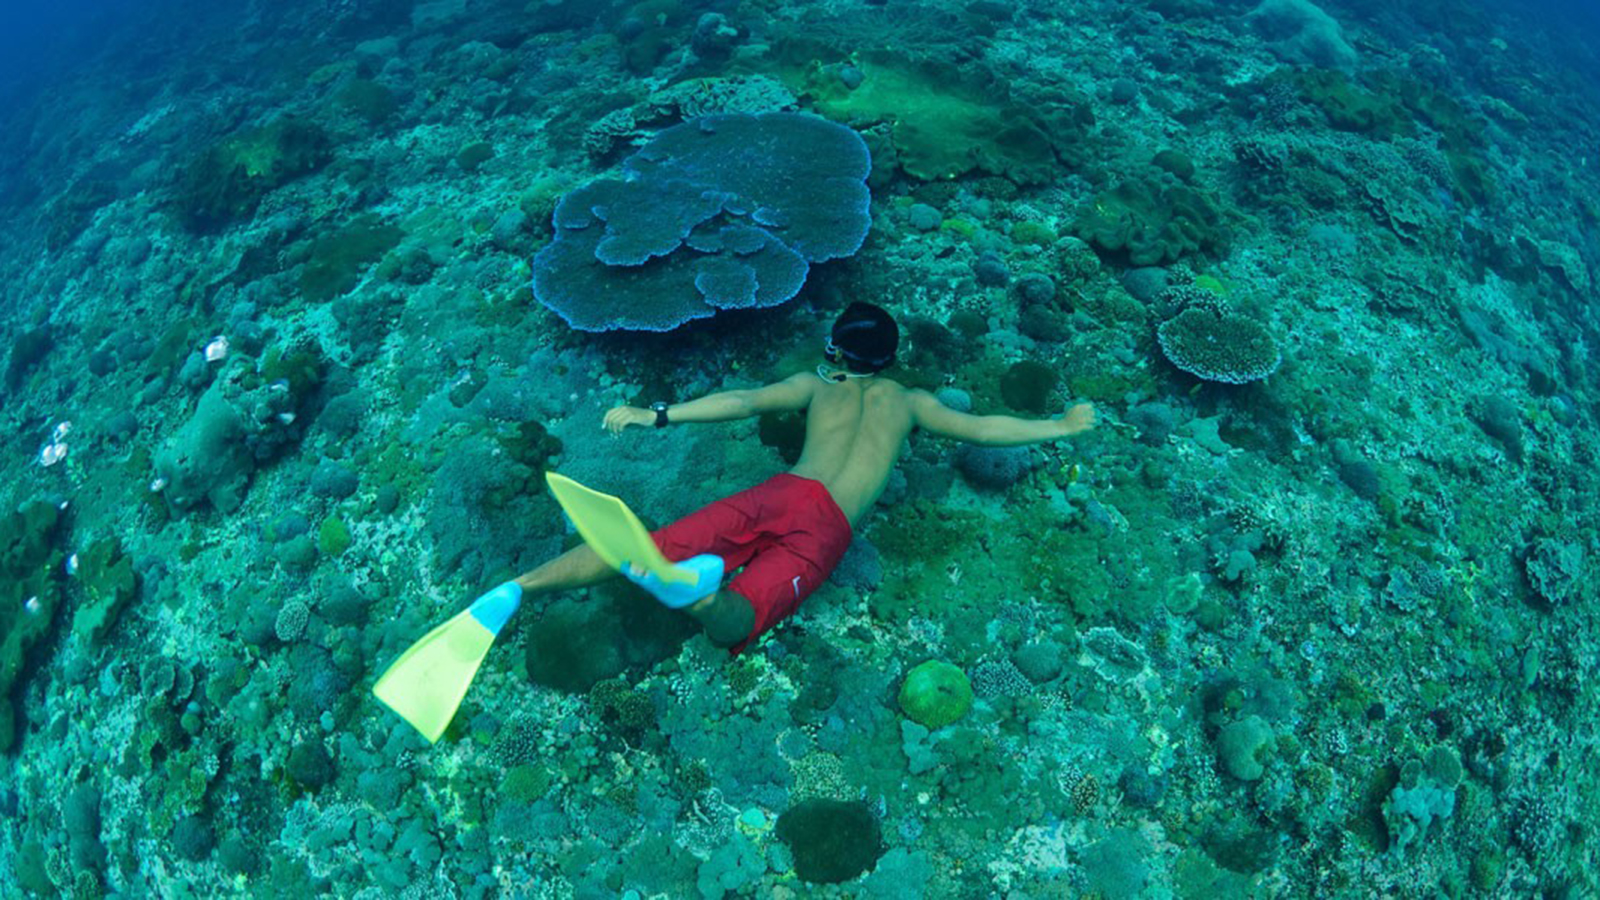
(338, 259)
(935, 694)
(1346, 106)
(573, 647)
(1153, 220)
(333, 536)
(109, 584)
(367, 99)
(30, 591)
(227, 181)
(1219, 346)
(1241, 746)
(1555, 568)
(29, 350)
(832, 841)
(1028, 386)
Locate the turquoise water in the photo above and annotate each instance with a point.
(299, 301)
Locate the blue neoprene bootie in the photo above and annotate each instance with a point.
(707, 569)
(495, 607)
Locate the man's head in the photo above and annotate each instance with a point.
(864, 339)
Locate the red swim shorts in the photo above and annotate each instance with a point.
(786, 532)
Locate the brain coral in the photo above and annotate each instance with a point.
(1219, 346)
(935, 694)
(720, 212)
(994, 468)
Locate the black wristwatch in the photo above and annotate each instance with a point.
(660, 408)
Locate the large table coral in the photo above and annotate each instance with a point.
(721, 212)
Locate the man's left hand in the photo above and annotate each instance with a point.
(620, 417)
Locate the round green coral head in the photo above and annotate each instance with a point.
(936, 694)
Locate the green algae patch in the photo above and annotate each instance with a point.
(942, 125)
(333, 538)
(1035, 233)
(30, 585)
(338, 259)
(228, 180)
(925, 531)
(471, 157)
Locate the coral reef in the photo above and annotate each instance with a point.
(299, 308)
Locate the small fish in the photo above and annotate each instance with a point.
(217, 350)
(72, 564)
(286, 418)
(52, 454)
(157, 485)
(33, 606)
(62, 430)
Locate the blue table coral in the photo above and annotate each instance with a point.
(721, 212)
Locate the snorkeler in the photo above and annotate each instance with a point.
(788, 533)
(783, 536)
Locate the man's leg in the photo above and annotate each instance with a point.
(726, 616)
(578, 567)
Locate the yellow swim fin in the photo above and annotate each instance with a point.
(426, 684)
(612, 530)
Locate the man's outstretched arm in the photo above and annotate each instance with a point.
(996, 431)
(792, 393)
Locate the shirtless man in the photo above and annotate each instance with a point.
(788, 532)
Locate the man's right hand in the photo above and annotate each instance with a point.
(620, 417)
(1077, 419)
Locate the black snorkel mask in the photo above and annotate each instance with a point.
(839, 356)
(864, 338)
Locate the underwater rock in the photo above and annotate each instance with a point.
(207, 461)
(924, 217)
(991, 271)
(1302, 32)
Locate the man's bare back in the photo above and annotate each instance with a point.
(854, 431)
